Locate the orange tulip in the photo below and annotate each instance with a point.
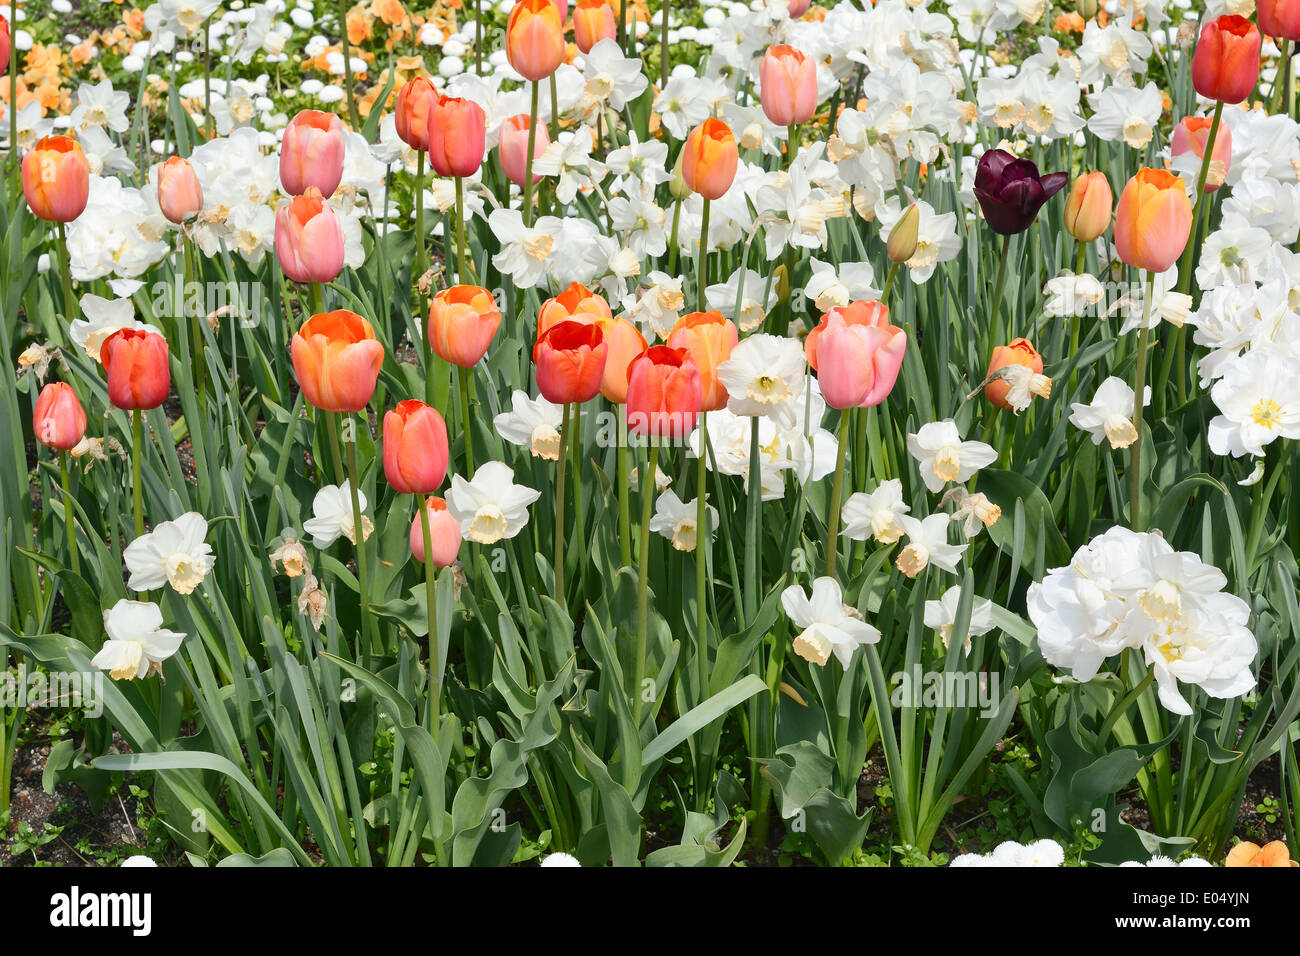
(59, 421)
(179, 193)
(5, 43)
(311, 153)
(308, 238)
(577, 300)
(1225, 65)
(787, 85)
(708, 339)
(709, 159)
(336, 359)
(462, 322)
(593, 21)
(1019, 352)
(1279, 19)
(863, 312)
(1152, 220)
(56, 179)
(138, 373)
(1191, 135)
(570, 359)
(535, 39)
(1251, 854)
(415, 448)
(457, 132)
(1087, 208)
(579, 304)
(411, 112)
(444, 534)
(512, 147)
(663, 393)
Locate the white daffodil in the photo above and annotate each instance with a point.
(942, 456)
(525, 250)
(1109, 413)
(1023, 383)
(875, 514)
(1259, 400)
(974, 509)
(332, 515)
(491, 506)
(832, 286)
(755, 294)
(533, 423)
(764, 376)
(173, 553)
(676, 520)
(829, 627)
(103, 317)
(940, 615)
(560, 859)
(101, 106)
(137, 643)
(1127, 114)
(927, 543)
(1073, 295)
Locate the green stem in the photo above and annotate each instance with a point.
(642, 580)
(354, 487)
(889, 282)
(702, 264)
(137, 450)
(478, 37)
(663, 46)
(561, 466)
(1185, 266)
(624, 507)
(837, 491)
(431, 599)
(317, 296)
(460, 230)
(336, 456)
(672, 238)
(1139, 386)
(528, 158)
(420, 251)
(463, 378)
(198, 347)
(74, 560)
(995, 309)
(353, 115)
(702, 545)
(65, 268)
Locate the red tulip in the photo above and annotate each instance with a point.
(570, 360)
(1225, 65)
(415, 448)
(59, 420)
(1279, 19)
(457, 131)
(138, 373)
(663, 393)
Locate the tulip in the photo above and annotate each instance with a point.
(707, 338)
(336, 359)
(1279, 19)
(308, 238)
(444, 532)
(575, 302)
(411, 112)
(710, 158)
(535, 39)
(512, 147)
(59, 421)
(1191, 135)
(625, 343)
(415, 448)
(1011, 191)
(593, 21)
(462, 323)
(311, 153)
(788, 85)
(570, 359)
(859, 361)
(4, 44)
(1225, 65)
(457, 131)
(1087, 208)
(1152, 220)
(56, 179)
(798, 8)
(136, 364)
(179, 193)
(663, 393)
(1019, 352)
(867, 312)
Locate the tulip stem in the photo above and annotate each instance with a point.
(431, 599)
(672, 238)
(420, 251)
(460, 230)
(702, 543)
(995, 309)
(575, 466)
(466, 421)
(354, 488)
(197, 345)
(528, 157)
(317, 298)
(137, 490)
(65, 268)
(1139, 387)
(74, 560)
(561, 464)
(353, 115)
(642, 580)
(703, 265)
(837, 491)
(624, 506)
(889, 282)
(336, 456)
(1185, 266)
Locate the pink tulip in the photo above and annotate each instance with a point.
(788, 86)
(308, 239)
(444, 534)
(512, 149)
(858, 364)
(311, 153)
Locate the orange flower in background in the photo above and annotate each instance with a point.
(336, 360)
(1251, 854)
(593, 21)
(570, 362)
(58, 421)
(709, 159)
(1069, 23)
(535, 39)
(708, 339)
(1019, 352)
(360, 25)
(390, 11)
(82, 53)
(136, 364)
(663, 393)
(415, 448)
(462, 323)
(1152, 220)
(56, 179)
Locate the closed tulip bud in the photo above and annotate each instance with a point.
(710, 158)
(512, 147)
(1152, 220)
(136, 364)
(457, 133)
(1225, 65)
(787, 85)
(677, 185)
(1019, 352)
(311, 153)
(1191, 135)
(535, 39)
(858, 355)
(905, 235)
(5, 43)
(1087, 8)
(663, 393)
(462, 323)
(593, 21)
(56, 179)
(1087, 208)
(444, 534)
(336, 359)
(415, 448)
(708, 339)
(1279, 19)
(59, 420)
(411, 112)
(179, 193)
(308, 238)
(570, 360)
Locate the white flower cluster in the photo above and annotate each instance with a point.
(1039, 853)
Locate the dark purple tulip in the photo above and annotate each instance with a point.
(1011, 191)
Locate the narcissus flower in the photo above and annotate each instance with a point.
(492, 506)
(709, 159)
(463, 320)
(444, 534)
(676, 520)
(1153, 220)
(828, 625)
(311, 153)
(942, 456)
(787, 85)
(570, 361)
(876, 514)
(58, 421)
(332, 516)
(1009, 391)
(1011, 191)
(336, 359)
(1225, 65)
(309, 238)
(415, 448)
(1258, 398)
(137, 643)
(663, 393)
(174, 553)
(940, 616)
(927, 543)
(56, 179)
(137, 365)
(765, 376)
(533, 423)
(1109, 413)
